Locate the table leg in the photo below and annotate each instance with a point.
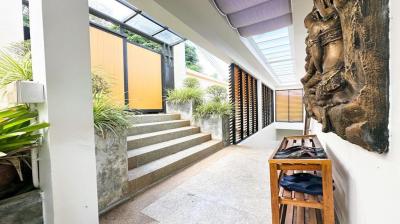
(273, 175)
(328, 208)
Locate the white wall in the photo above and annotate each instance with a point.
(11, 25)
(300, 9)
(61, 61)
(367, 183)
(179, 64)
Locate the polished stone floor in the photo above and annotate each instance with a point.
(231, 186)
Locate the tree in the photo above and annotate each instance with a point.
(191, 58)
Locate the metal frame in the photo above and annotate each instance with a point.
(232, 120)
(268, 106)
(125, 60)
(126, 26)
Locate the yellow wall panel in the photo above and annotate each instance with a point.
(289, 105)
(107, 61)
(282, 106)
(144, 78)
(296, 105)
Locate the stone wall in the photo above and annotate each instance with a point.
(22, 209)
(112, 169)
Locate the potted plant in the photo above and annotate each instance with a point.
(19, 135)
(186, 99)
(213, 115)
(19, 129)
(111, 123)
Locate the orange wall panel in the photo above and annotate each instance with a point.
(144, 78)
(107, 61)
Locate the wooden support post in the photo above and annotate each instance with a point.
(328, 205)
(274, 193)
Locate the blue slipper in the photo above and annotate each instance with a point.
(308, 187)
(298, 177)
(303, 182)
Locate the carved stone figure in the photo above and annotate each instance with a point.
(346, 81)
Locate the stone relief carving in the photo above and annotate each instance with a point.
(347, 70)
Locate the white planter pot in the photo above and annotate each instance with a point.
(218, 127)
(184, 109)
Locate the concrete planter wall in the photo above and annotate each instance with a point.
(218, 127)
(112, 169)
(185, 109)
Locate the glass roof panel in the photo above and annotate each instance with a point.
(281, 58)
(282, 62)
(277, 55)
(273, 43)
(168, 37)
(284, 32)
(112, 8)
(276, 49)
(144, 25)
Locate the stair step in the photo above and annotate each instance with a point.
(146, 154)
(137, 129)
(144, 176)
(150, 118)
(137, 141)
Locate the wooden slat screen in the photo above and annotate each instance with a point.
(267, 106)
(243, 97)
(289, 105)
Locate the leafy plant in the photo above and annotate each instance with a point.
(191, 82)
(217, 105)
(99, 85)
(15, 63)
(184, 95)
(18, 134)
(213, 109)
(107, 115)
(217, 93)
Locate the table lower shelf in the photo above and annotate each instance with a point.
(299, 215)
(298, 198)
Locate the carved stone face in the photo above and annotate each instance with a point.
(324, 7)
(348, 101)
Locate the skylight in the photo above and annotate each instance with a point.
(129, 16)
(275, 47)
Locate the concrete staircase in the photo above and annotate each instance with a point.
(161, 144)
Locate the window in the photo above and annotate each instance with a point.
(243, 97)
(267, 106)
(289, 105)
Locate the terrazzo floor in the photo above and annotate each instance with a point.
(230, 186)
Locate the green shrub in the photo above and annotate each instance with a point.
(213, 109)
(191, 82)
(107, 116)
(15, 63)
(184, 95)
(217, 93)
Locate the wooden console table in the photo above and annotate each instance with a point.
(295, 207)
